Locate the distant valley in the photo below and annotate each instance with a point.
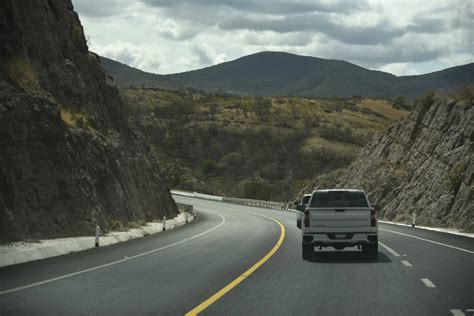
(254, 147)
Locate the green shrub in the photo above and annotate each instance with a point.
(339, 133)
(424, 102)
(256, 189)
(400, 103)
(210, 167)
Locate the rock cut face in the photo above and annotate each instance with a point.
(69, 159)
(424, 165)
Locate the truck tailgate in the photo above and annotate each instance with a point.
(349, 217)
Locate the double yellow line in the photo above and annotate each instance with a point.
(211, 300)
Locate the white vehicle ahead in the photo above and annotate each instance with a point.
(339, 219)
(304, 201)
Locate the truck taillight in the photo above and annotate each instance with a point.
(306, 217)
(373, 218)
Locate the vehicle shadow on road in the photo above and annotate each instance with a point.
(346, 257)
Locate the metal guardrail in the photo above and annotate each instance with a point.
(257, 203)
(185, 207)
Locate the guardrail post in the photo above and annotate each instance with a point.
(164, 223)
(413, 219)
(97, 235)
(186, 216)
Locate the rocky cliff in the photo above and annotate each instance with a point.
(68, 158)
(423, 164)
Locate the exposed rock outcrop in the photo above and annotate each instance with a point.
(68, 157)
(423, 164)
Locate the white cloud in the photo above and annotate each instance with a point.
(276, 39)
(177, 31)
(123, 52)
(399, 69)
(167, 36)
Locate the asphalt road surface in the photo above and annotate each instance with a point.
(237, 260)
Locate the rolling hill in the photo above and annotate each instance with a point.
(276, 73)
(252, 147)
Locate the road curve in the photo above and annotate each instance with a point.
(173, 272)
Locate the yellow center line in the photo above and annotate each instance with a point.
(211, 300)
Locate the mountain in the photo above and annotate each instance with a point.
(422, 165)
(276, 73)
(69, 159)
(126, 76)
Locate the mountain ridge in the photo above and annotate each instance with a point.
(279, 73)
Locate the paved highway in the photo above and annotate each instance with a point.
(234, 261)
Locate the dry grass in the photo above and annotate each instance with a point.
(73, 119)
(20, 71)
(383, 107)
(317, 142)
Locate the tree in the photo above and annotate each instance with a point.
(400, 103)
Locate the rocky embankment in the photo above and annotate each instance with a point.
(68, 158)
(422, 165)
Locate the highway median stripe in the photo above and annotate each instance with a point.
(212, 299)
(393, 252)
(428, 283)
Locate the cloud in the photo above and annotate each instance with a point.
(102, 8)
(167, 36)
(203, 58)
(427, 25)
(178, 31)
(266, 6)
(277, 39)
(402, 51)
(399, 69)
(380, 33)
(123, 52)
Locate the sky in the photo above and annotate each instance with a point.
(403, 37)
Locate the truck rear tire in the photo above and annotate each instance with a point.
(308, 251)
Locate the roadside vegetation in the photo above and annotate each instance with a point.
(253, 147)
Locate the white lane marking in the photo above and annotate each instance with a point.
(393, 252)
(428, 283)
(428, 240)
(457, 312)
(114, 262)
(406, 263)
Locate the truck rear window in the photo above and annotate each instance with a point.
(305, 199)
(339, 199)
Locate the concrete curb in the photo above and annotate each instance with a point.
(20, 252)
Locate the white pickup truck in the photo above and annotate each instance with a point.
(339, 219)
